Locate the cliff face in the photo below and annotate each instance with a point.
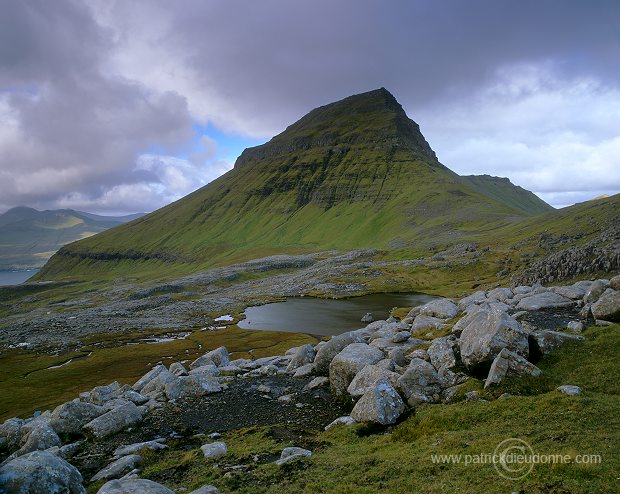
(352, 174)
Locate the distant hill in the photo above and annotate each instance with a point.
(29, 237)
(356, 173)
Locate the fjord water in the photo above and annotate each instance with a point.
(16, 277)
(324, 316)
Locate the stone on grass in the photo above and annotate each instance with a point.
(381, 404)
(292, 453)
(544, 341)
(569, 389)
(509, 364)
(575, 327)
(133, 486)
(346, 420)
(117, 468)
(348, 362)
(135, 447)
(206, 489)
(214, 450)
(40, 472)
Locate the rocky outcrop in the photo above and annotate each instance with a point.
(509, 364)
(607, 307)
(352, 359)
(114, 421)
(331, 348)
(420, 383)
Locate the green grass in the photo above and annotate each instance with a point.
(349, 460)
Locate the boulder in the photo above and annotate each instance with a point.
(193, 386)
(366, 318)
(475, 298)
(614, 283)
(304, 355)
(100, 395)
(209, 369)
(219, 356)
(544, 300)
(118, 468)
(573, 292)
(348, 362)
(442, 308)
(11, 433)
(135, 397)
(544, 341)
(135, 447)
(422, 323)
(380, 404)
(401, 336)
(114, 421)
(441, 353)
(304, 370)
(206, 489)
(368, 377)
(133, 486)
(178, 369)
(40, 472)
(40, 438)
(397, 355)
(420, 383)
(146, 378)
(214, 450)
(317, 382)
(486, 333)
(607, 307)
(593, 293)
(70, 417)
(292, 454)
(156, 387)
(509, 364)
(575, 327)
(331, 348)
(201, 361)
(500, 294)
(346, 420)
(569, 389)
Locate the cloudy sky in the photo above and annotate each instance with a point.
(124, 106)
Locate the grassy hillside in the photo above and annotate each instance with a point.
(28, 237)
(353, 174)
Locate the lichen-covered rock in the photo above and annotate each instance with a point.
(346, 420)
(117, 468)
(486, 333)
(381, 404)
(509, 364)
(40, 438)
(595, 290)
(544, 341)
(349, 361)
(178, 369)
(420, 383)
(214, 450)
(200, 361)
(156, 387)
(331, 348)
(304, 355)
(130, 449)
(291, 454)
(114, 421)
(219, 356)
(368, 377)
(544, 300)
(442, 308)
(146, 378)
(575, 327)
(133, 486)
(422, 323)
(500, 294)
(607, 307)
(192, 386)
(573, 292)
(40, 472)
(569, 389)
(11, 433)
(70, 417)
(441, 353)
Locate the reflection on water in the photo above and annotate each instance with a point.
(324, 316)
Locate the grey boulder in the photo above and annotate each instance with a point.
(368, 377)
(114, 421)
(304, 355)
(544, 340)
(214, 450)
(331, 348)
(133, 486)
(381, 404)
(291, 454)
(607, 307)
(348, 362)
(486, 333)
(70, 417)
(509, 364)
(40, 472)
(420, 383)
(544, 300)
(118, 468)
(442, 308)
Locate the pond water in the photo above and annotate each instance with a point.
(324, 316)
(16, 277)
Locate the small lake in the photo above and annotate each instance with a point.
(16, 277)
(325, 316)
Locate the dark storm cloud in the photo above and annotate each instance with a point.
(90, 93)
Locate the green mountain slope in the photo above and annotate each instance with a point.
(29, 237)
(502, 190)
(352, 174)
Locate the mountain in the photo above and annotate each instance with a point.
(352, 174)
(502, 190)
(28, 237)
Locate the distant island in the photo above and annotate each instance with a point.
(28, 237)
